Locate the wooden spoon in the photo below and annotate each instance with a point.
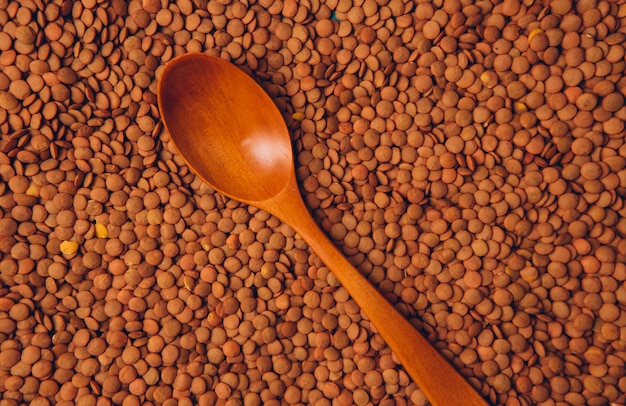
(230, 133)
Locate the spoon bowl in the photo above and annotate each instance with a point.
(235, 124)
(230, 133)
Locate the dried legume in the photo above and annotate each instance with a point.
(467, 158)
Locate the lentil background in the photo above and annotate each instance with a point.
(468, 157)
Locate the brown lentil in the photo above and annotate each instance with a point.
(469, 159)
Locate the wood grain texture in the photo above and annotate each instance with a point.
(231, 134)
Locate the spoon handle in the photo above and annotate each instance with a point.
(434, 375)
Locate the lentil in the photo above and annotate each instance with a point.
(469, 159)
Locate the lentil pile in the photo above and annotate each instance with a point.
(468, 157)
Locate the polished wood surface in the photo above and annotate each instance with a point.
(230, 133)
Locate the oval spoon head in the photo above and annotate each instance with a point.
(226, 128)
